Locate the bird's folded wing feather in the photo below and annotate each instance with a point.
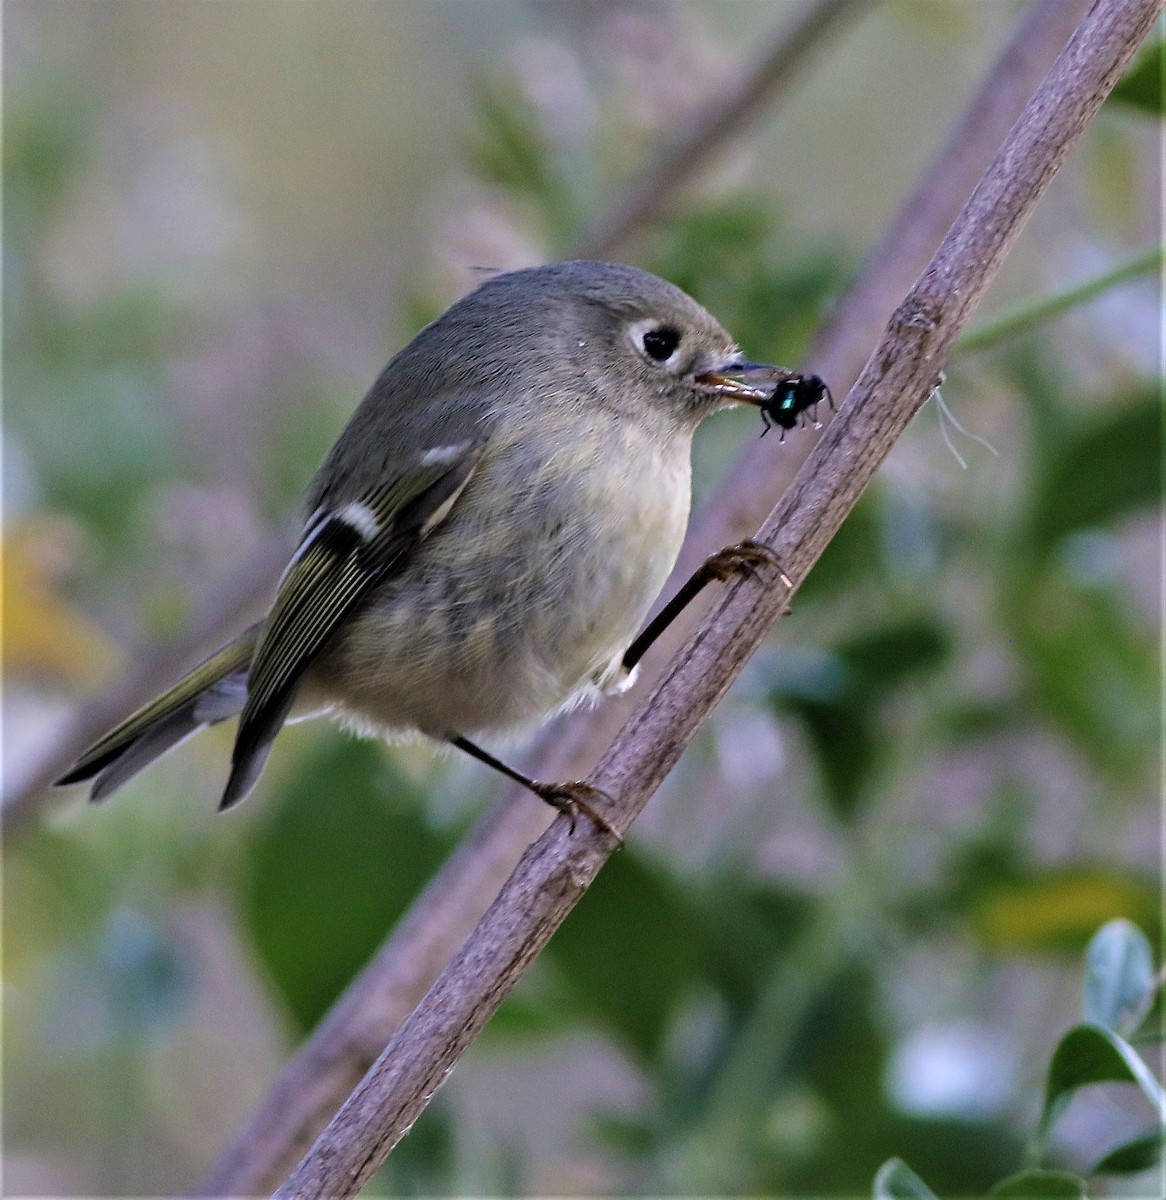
(348, 548)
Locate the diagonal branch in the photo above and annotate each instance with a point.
(342, 1047)
(776, 72)
(894, 384)
(839, 348)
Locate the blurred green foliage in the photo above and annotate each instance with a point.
(510, 150)
(311, 907)
(1118, 995)
(1142, 85)
(951, 632)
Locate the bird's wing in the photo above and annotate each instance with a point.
(348, 548)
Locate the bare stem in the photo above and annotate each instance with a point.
(896, 381)
(691, 149)
(316, 1080)
(1023, 317)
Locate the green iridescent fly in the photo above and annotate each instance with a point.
(793, 399)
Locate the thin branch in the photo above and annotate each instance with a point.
(712, 130)
(342, 1047)
(896, 381)
(356, 1029)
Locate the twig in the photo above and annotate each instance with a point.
(359, 1025)
(895, 383)
(776, 71)
(313, 1084)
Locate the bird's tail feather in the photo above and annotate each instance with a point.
(251, 754)
(215, 690)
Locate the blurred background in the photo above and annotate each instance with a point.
(850, 925)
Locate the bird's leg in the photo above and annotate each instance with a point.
(747, 556)
(568, 798)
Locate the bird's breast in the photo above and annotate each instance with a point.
(530, 592)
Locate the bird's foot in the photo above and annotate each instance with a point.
(575, 798)
(745, 558)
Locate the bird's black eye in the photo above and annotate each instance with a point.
(660, 344)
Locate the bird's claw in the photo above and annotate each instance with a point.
(575, 798)
(747, 557)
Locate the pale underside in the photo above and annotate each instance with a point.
(488, 635)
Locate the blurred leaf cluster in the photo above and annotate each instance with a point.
(1120, 993)
(967, 658)
(110, 352)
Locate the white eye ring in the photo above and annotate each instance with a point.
(639, 330)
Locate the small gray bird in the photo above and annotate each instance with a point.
(488, 533)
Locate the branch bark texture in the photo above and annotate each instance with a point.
(897, 379)
(840, 347)
(316, 1080)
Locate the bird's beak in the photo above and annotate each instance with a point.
(754, 383)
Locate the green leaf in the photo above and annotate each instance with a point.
(659, 933)
(1090, 669)
(837, 696)
(851, 559)
(1040, 1185)
(423, 1164)
(525, 1016)
(896, 1181)
(1141, 86)
(1088, 1054)
(627, 1136)
(1142, 1153)
(335, 864)
(896, 653)
(846, 739)
(1103, 470)
(510, 150)
(1119, 975)
(768, 289)
(48, 141)
(767, 922)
